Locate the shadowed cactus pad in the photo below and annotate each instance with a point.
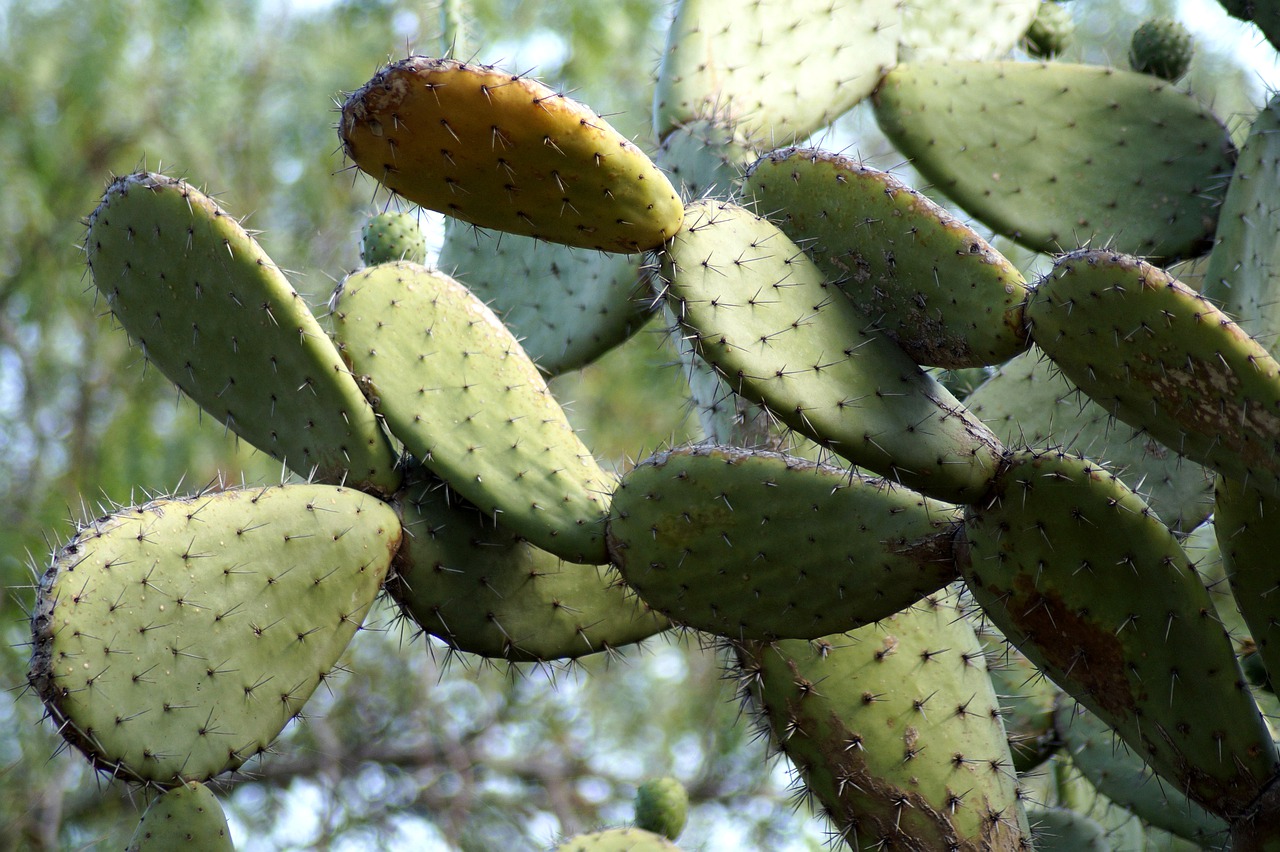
(504, 151)
(756, 545)
(173, 641)
(218, 317)
(455, 385)
(188, 817)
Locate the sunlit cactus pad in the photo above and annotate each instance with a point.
(207, 306)
(173, 641)
(504, 151)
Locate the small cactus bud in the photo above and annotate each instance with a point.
(662, 806)
(1161, 47)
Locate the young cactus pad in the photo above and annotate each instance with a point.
(895, 730)
(757, 545)
(765, 317)
(454, 384)
(1163, 359)
(173, 641)
(484, 590)
(392, 236)
(187, 818)
(1054, 155)
(504, 151)
(1079, 574)
(935, 287)
(210, 309)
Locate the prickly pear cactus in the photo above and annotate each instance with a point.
(1161, 47)
(392, 236)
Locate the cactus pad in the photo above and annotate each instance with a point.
(962, 29)
(764, 316)
(504, 151)
(1163, 359)
(210, 309)
(935, 287)
(457, 388)
(618, 840)
(174, 640)
(188, 817)
(756, 545)
(1054, 155)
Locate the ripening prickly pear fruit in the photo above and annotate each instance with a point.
(173, 641)
(618, 840)
(1051, 31)
(758, 310)
(1079, 574)
(662, 806)
(1161, 47)
(392, 236)
(894, 729)
(187, 817)
(206, 305)
(455, 386)
(504, 151)
(758, 545)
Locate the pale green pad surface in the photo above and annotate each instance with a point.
(618, 840)
(211, 310)
(1164, 360)
(1074, 569)
(761, 313)
(1028, 402)
(935, 287)
(484, 590)
(1057, 156)
(894, 729)
(173, 641)
(962, 29)
(186, 818)
(758, 545)
(567, 306)
(777, 69)
(457, 388)
(504, 151)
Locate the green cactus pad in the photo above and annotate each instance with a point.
(662, 806)
(1056, 155)
(1248, 541)
(706, 159)
(1027, 701)
(485, 591)
(1078, 573)
(188, 817)
(1163, 359)
(1028, 402)
(174, 640)
(618, 840)
(894, 729)
(1064, 830)
(778, 70)
(759, 311)
(392, 236)
(210, 309)
(567, 306)
(1120, 775)
(457, 388)
(962, 29)
(504, 151)
(757, 545)
(1241, 275)
(932, 284)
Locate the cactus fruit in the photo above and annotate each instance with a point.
(1080, 575)
(455, 386)
(503, 151)
(894, 729)
(1051, 31)
(662, 807)
(764, 316)
(188, 817)
(173, 641)
(392, 236)
(933, 285)
(756, 545)
(210, 309)
(567, 306)
(1161, 47)
(1054, 155)
(618, 840)
(1163, 359)
(485, 591)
